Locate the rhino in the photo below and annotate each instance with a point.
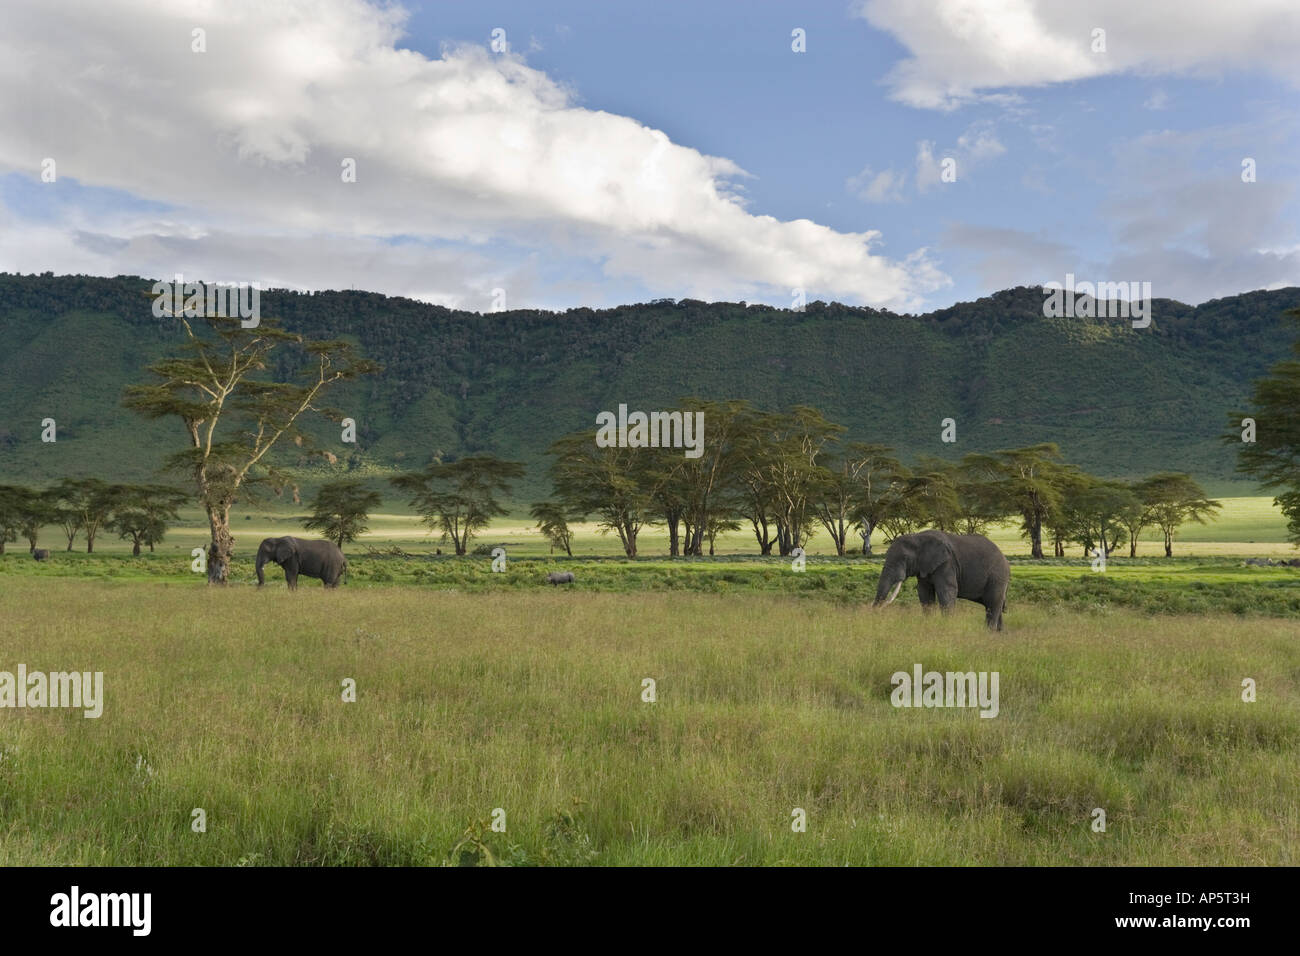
(560, 577)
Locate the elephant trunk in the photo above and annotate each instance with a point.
(261, 560)
(891, 580)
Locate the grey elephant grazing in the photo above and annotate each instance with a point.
(41, 554)
(314, 558)
(560, 577)
(948, 567)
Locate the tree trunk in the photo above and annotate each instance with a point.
(1132, 545)
(135, 550)
(1169, 545)
(1036, 538)
(674, 542)
(222, 546)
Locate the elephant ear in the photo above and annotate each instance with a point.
(285, 549)
(933, 554)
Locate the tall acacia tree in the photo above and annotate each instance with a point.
(233, 412)
(615, 484)
(341, 509)
(1173, 498)
(1024, 481)
(459, 498)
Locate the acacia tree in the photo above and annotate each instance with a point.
(341, 509)
(932, 494)
(1025, 481)
(38, 510)
(667, 495)
(142, 514)
(23, 511)
(459, 498)
(880, 477)
(1097, 513)
(1134, 517)
(88, 506)
(781, 454)
(552, 521)
(1172, 499)
(707, 484)
(756, 500)
(12, 502)
(612, 483)
(1272, 455)
(232, 413)
(66, 517)
(851, 491)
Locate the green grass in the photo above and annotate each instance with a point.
(230, 700)
(1158, 586)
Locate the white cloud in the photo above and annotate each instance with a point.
(963, 49)
(870, 186)
(975, 146)
(246, 140)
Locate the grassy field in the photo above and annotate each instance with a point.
(478, 690)
(531, 702)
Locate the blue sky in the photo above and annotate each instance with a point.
(538, 171)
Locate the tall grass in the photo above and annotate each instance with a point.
(530, 701)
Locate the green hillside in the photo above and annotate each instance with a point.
(1120, 402)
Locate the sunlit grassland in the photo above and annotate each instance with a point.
(1246, 527)
(230, 700)
(1200, 578)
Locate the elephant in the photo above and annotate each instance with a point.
(314, 558)
(41, 554)
(948, 567)
(560, 577)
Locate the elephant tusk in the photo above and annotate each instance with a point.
(894, 593)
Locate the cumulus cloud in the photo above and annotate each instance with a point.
(962, 50)
(245, 142)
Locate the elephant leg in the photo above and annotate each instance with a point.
(995, 598)
(925, 591)
(291, 579)
(945, 589)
